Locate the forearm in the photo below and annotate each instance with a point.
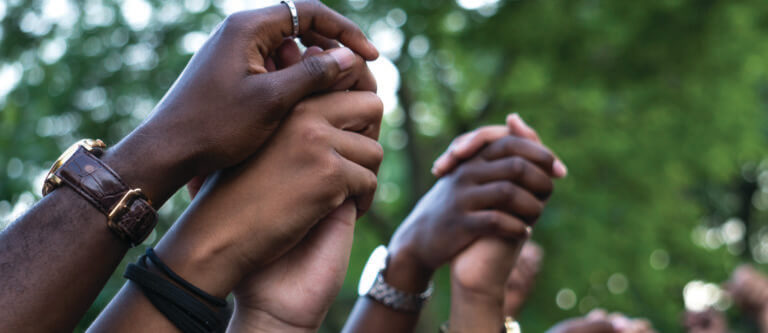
(262, 322)
(471, 312)
(57, 257)
(477, 285)
(369, 315)
(154, 159)
(55, 260)
(187, 256)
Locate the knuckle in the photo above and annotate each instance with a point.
(510, 144)
(376, 103)
(500, 148)
(331, 166)
(234, 23)
(506, 190)
(311, 5)
(313, 133)
(372, 182)
(492, 221)
(518, 166)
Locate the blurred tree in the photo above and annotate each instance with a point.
(658, 108)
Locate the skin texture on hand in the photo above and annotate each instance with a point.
(315, 162)
(480, 274)
(226, 104)
(263, 207)
(497, 193)
(522, 278)
(220, 111)
(478, 277)
(294, 293)
(468, 144)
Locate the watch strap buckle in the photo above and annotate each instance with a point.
(122, 206)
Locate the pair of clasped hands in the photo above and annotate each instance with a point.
(287, 146)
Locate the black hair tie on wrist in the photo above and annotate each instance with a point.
(218, 302)
(178, 305)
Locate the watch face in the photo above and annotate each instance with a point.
(87, 143)
(53, 181)
(375, 264)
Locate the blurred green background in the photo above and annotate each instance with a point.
(659, 108)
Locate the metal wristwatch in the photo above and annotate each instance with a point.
(373, 285)
(129, 212)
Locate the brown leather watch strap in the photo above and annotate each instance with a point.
(129, 213)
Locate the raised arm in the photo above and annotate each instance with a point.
(57, 257)
(499, 192)
(246, 217)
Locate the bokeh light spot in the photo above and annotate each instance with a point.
(659, 259)
(617, 283)
(566, 299)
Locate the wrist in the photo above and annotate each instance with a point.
(405, 272)
(253, 320)
(200, 262)
(475, 312)
(148, 161)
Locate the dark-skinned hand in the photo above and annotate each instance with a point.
(293, 293)
(247, 216)
(468, 144)
(226, 104)
(500, 192)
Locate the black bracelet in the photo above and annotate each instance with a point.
(184, 310)
(218, 302)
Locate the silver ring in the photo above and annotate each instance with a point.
(294, 16)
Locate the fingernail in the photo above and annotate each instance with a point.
(344, 57)
(438, 166)
(512, 118)
(559, 169)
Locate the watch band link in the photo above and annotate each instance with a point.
(130, 214)
(396, 299)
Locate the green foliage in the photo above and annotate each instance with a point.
(657, 107)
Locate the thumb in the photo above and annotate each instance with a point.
(331, 239)
(344, 215)
(311, 75)
(330, 244)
